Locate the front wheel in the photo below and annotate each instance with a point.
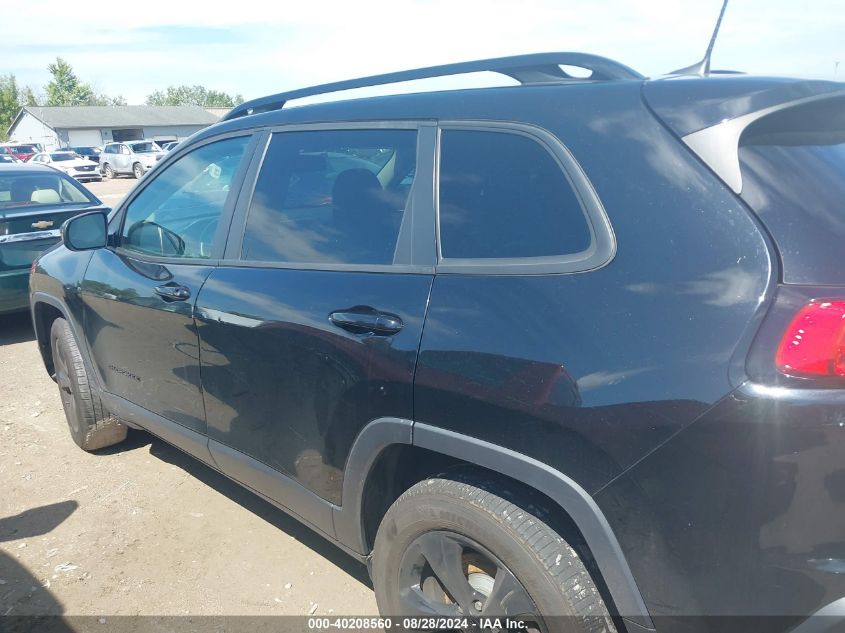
(91, 426)
(108, 172)
(137, 170)
(459, 549)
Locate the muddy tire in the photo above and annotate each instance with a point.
(91, 426)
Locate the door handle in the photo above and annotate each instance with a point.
(173, 292)
(367, 321)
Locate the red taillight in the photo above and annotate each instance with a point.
(814, 342)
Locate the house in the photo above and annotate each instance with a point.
(93, 126)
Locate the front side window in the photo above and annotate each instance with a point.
(331, 197)
(177, 214)
(503, 196)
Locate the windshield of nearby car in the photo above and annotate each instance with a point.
(33, 190)
(63, 156)
(146, 147)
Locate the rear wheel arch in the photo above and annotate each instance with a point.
(391, 455)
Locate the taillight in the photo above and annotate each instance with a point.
(814, 343)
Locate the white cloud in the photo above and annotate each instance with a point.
(285, 45)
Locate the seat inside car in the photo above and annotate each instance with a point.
(363, 217)
(45, 196)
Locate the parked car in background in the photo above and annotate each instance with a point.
(8, 158)
(569, 351)
(21, 151)
(133, 157)
(34, 202)
(69, 162)
(169, 145)
(91, 153)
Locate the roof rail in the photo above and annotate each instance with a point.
(526, 69)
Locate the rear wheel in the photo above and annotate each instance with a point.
(458, 549)
(91, 426)
(108, 172)
(137, 170)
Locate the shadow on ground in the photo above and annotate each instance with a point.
(246, 499)
(25, 605)
(16, 328)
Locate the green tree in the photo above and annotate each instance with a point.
(65, 89)
(193, 95)
(9, 103)
(28, 97)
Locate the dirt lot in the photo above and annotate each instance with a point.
(141, 529)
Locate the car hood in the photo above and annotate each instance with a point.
(76, 162)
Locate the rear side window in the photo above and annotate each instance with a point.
(331, 197)
(793, 176)
(504, 195)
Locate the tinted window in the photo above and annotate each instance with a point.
(504, 195)
(60, 156)
(793, 176)
(177, 214)
(140, 148)
(331, 197)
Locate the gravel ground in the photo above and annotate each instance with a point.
(141, 529)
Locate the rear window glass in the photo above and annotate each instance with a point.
(34, 190)
(60, 156)
(504, 195)
(793, 177)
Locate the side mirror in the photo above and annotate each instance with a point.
(85, 232)
(155, 239)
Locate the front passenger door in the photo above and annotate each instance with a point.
(139, 294)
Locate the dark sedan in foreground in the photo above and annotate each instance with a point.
(34, 202)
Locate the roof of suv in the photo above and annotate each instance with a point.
(685, 103)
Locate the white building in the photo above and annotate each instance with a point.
(93, 126)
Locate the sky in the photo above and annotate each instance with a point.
(258, 48)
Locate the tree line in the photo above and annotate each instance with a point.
(66, 89)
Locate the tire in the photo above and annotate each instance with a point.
(91, 426)
(482, 533)
(108, 172)
(137, 170)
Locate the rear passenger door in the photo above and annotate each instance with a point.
(310, 327)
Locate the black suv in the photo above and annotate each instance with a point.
(570, 348)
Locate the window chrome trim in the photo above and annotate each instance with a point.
(599, 253)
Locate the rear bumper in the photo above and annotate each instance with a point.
(740, 514)
(14, 291)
